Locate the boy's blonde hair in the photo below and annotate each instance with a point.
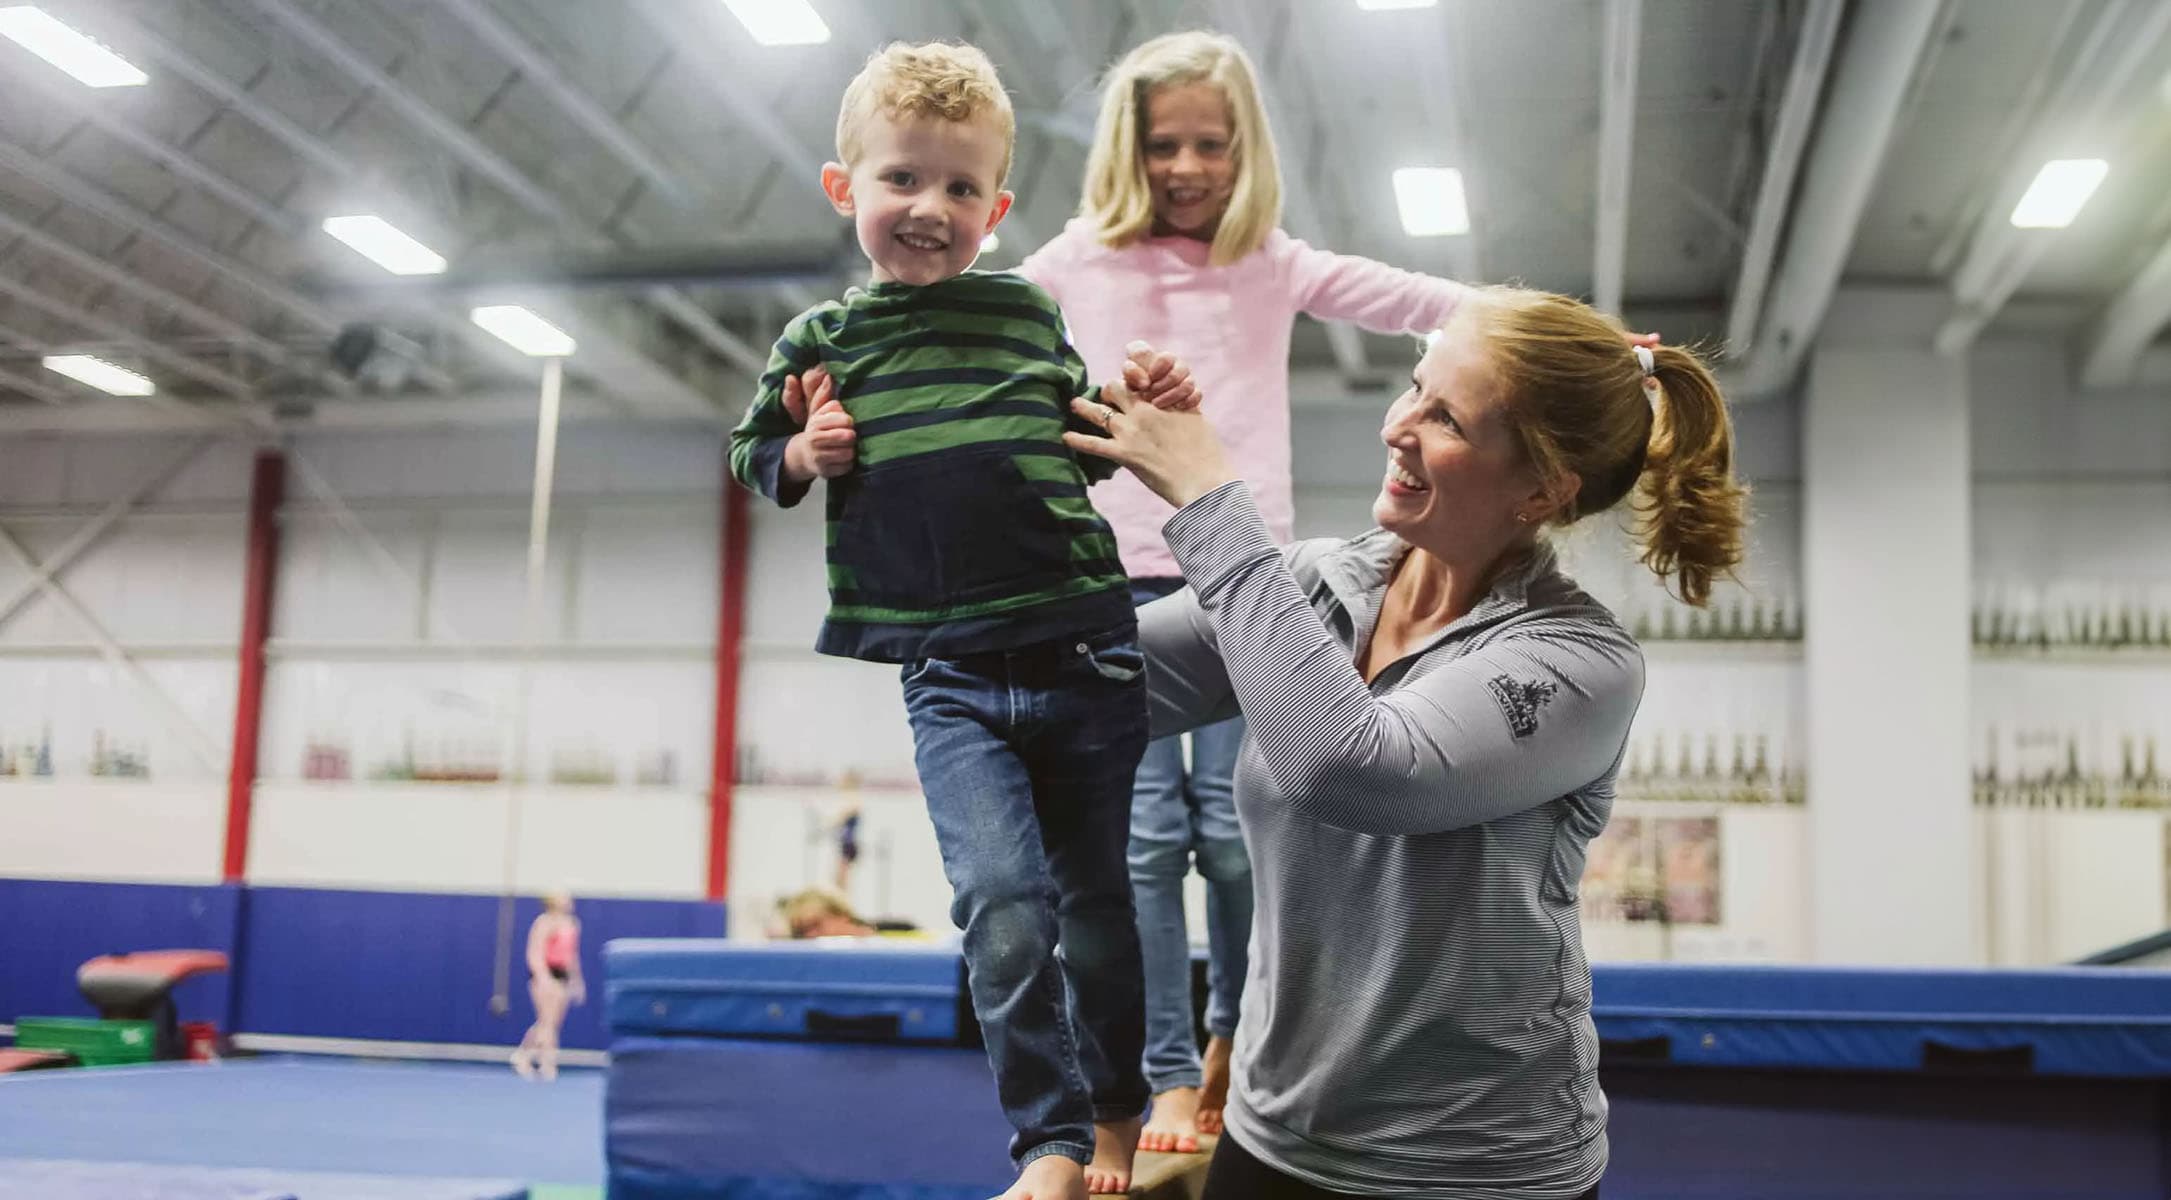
(1119, 202)
(946, 80)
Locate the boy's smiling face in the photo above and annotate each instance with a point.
(923, 194)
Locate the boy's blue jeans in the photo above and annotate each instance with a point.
(1178, 816)
(1026, 757)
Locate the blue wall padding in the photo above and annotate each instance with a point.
(715, 1118)
(417, 967)
(48, 928)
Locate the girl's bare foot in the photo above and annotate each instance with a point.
(1172, 1125)
(1049, 1177)
(1115, 1143)
(521, 1066)
(1214, 1094)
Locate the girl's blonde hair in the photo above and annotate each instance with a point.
(1119, 203)
(1576, 400)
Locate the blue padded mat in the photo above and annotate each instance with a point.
(789, 989)
(2079, 1021)
(63, 1179)
(720, 1118)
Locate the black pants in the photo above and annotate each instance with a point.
(1236, 1175)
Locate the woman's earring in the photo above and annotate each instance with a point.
(1522, 518)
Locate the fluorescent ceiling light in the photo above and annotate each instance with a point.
(1376, 5)
(2059, 191)
(100, 374)
(1431, 201)
(523, 330)
(378, 241)
(990, 244)
(780, 22)
(39, 32)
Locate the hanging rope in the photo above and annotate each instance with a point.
(516, 753)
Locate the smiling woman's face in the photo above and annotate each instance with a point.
(1456, 475)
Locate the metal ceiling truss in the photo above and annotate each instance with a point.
(685, 391)
(1880, 51)
(2118, 45)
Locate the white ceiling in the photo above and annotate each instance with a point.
(174, 227)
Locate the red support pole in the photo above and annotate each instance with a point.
(730, 628)
(267, 490)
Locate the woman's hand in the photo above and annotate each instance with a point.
(1174, 452)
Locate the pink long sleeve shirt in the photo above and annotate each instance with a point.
(1231, 325)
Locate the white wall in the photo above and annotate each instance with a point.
(2064, 486)
(111, 831)
(625, 842)
(387, 661)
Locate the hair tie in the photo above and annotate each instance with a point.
(1649, 363)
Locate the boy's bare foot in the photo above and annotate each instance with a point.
(1214, 1094)
(1172, 1125)
(1049, 1177)
(1115, 1143)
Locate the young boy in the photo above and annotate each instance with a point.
(961, 544)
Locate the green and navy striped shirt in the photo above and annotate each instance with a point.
(964, 525)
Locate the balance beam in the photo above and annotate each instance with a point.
(1157, 1176)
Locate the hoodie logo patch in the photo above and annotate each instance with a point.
(1520, 701)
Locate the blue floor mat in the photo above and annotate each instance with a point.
(293, 1114)
(47, 1179)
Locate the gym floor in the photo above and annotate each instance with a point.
(399, 1123)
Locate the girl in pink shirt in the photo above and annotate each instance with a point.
(554, 984)
(1178, 243)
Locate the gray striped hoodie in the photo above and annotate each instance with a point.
(1417, 1017)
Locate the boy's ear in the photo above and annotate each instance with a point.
(837, 185)
(995, 215)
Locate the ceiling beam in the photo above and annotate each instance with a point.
(1797, 115)
(537, 69)
(727, 345)
(754, 114)
(172, 158)
(136, 288)
(1880, 49)
(172, 360)
(603, 342)
(1616, 148)
(92, 198)
(448, 133)
(119, 31)
(2114, 343)
(31, 388)
(2080, 116)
